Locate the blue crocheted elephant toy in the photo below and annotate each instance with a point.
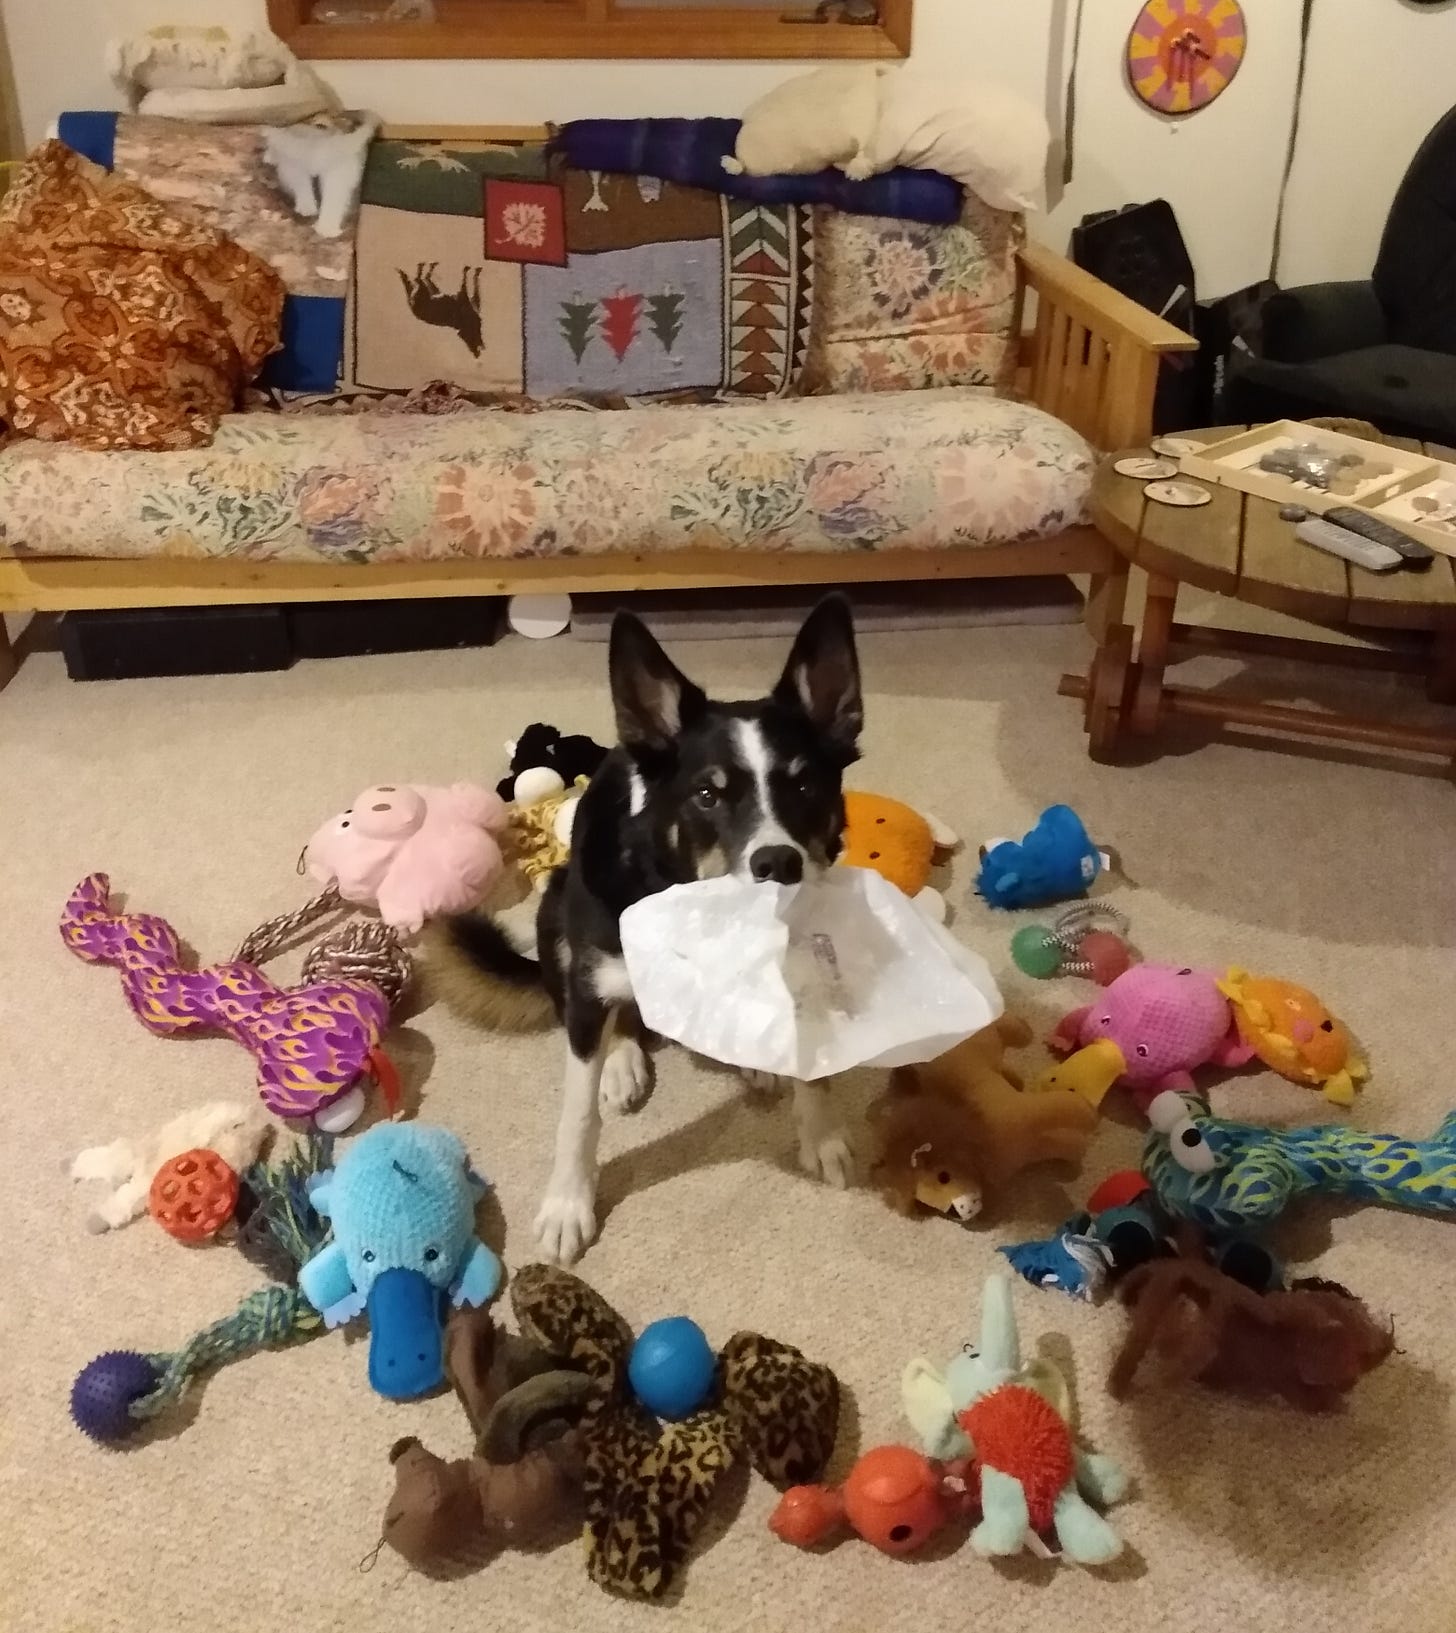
(402, 1204)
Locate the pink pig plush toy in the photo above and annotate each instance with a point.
(411, 851)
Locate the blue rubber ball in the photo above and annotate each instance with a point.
(671, 1367)
(104, 1390)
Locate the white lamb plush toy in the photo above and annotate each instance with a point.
(806, 124)
(233, 1129)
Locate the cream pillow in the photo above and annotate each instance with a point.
(988, 139)
(809, 123)
(211, 76)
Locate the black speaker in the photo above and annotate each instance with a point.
(1139, 251)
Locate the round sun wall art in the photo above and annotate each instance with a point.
(1182, 53)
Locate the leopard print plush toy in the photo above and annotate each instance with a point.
(647, 1485)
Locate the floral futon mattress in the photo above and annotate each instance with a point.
(939, 469)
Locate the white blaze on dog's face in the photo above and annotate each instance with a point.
(748, 789)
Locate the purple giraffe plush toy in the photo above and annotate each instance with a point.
(312, 1043)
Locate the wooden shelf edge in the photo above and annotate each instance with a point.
(655, 35)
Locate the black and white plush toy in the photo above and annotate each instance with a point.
(543, 762)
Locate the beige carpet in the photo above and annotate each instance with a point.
(257, 1507)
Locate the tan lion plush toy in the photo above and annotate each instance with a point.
(958, 1126)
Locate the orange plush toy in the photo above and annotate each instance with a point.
(957, 1126)
(898, 843)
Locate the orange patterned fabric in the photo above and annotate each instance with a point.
(121, 324)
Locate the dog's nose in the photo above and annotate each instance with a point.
(781, 863)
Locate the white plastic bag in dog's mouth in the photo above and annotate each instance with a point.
(803, 980)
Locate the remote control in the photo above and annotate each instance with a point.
(1340, 541)
(1411, 551)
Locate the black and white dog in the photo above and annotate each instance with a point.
(694, 790)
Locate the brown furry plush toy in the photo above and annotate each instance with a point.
(961, 1125)
(523, 1485)
(1311, 1345)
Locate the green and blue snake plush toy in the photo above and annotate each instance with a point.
(1228, 1177)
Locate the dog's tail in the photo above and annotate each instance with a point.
(483, 977)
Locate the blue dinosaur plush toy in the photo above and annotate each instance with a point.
(402, 1204)
(1055, 861)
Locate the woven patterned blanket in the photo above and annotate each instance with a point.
(498, 268)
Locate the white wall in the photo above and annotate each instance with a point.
(1380, 74)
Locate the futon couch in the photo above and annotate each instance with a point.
(910, 418)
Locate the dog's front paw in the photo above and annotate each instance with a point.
(763, 1086)
(827, 1157)
(626, 1076)
(566, 1225)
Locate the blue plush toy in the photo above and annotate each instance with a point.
(1055, 861)
(402, 1204)
(1073, 1261)
(1123, 1226)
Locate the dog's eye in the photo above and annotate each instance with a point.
(706, 797)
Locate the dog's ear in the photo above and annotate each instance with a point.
(821, 677)
(653, 699)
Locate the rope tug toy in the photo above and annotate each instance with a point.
(118, 1392)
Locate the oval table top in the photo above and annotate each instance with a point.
(1237, 546)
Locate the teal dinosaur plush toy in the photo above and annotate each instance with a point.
(1226, 1176)
(402, 1204)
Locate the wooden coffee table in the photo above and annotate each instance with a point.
(1237, 546)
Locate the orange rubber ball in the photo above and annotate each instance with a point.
(893, 1499)
(193, 1195)
(889, 837)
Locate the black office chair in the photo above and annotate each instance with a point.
(1382, 349)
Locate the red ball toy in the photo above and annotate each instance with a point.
(193, 1195)
(1105, 955)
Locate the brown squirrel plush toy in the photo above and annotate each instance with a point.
(523, 1485)
(1310, 1344)
(962, 1124)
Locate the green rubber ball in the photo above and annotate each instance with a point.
(1034, 952)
